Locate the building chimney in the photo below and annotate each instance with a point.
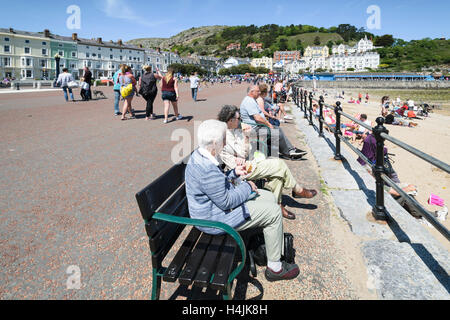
(74, 37)
(47, 33)
(120, 42)
(99, 40)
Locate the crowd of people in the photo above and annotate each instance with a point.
(221, 176)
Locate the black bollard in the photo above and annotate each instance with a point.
(337, 131)
(310, 109)
(305, 104)
(321, 102)
(379, 211)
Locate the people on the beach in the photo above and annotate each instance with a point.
(241, 205)
(63, 81)
(169, 89)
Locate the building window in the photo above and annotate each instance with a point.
(87, 47)
(7, 49)
(44, 43)
(27, 62)
(27, 50)
(6, 62)
(42, 63)
(121, 57)
(94, 54)
(27, 41)
(44, 52)
(111, 56)
(61, 53)
(99, 49)
(99, 55)
(6, 39)
(87, 54)
(60, 45)
(74, 54)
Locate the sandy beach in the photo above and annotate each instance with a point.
(432, 136)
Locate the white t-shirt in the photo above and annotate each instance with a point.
(194, 82)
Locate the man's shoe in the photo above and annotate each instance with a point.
(288, 272)
(291, 158)
(297, 153)
(305, 194)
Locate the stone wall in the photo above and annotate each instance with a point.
(368, 84)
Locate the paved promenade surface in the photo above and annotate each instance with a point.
(69, 173)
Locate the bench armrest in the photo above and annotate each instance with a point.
(210, 224)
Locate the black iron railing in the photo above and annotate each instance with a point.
(301, 97)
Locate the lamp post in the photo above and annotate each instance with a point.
(57, 59)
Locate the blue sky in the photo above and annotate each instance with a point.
(129, 19)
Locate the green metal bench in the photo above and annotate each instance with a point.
(203, 260)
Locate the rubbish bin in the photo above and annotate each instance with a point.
(17, 85)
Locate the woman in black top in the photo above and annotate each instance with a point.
(149, 90)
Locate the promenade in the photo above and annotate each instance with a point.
(68, 178)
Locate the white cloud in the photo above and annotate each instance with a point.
(119, 9)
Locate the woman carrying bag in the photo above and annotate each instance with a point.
(127, 90)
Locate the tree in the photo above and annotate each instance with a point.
(384, 41)
(283, 45)
(317, 41)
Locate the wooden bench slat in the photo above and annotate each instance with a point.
(185, 250)
(208, 265)
(195, 259)
(224, 265)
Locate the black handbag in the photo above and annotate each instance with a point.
(257, 251)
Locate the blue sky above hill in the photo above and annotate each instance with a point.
(129, 19)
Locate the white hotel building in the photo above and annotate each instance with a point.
(104, 58)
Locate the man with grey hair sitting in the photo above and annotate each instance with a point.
(217, 196)
(252, 115)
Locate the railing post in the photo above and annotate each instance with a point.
(321, 102)
(310, 108)
(337, 131)
(305, 104)
(379, 211)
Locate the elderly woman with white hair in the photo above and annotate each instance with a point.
(212, 195)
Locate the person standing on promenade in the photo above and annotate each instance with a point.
(125, 79)
(194, 85)
(63, 80)
(169, 88)
(117, 92)
(149, 90)
(88, 78)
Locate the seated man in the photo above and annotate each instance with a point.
(251, 114)
(238, 151)
(212, 196)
